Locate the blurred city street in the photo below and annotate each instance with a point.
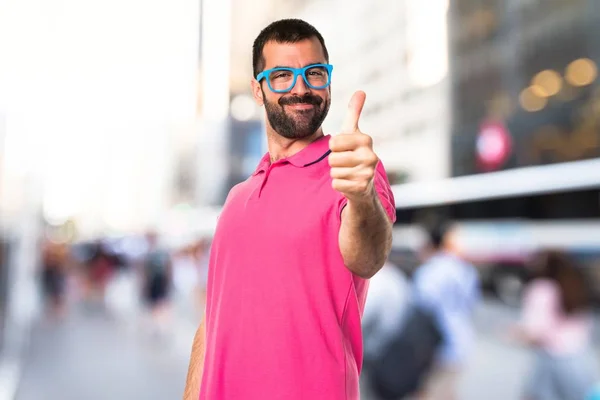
(129, 130)
(94, 356)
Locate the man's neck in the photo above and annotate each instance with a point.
(280, 147)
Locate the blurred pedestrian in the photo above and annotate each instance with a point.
(186, 278)
(100, 270)
(385, 309)
(157, 280)
(185, 270)
(296, 242)
(388, 299)
(54, 264)
(557, 323)
(447, 286)
(201, 251)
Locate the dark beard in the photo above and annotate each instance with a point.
(304, 123)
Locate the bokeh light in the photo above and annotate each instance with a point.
(531, 101)
(581, 72)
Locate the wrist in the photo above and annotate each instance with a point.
(365, 200)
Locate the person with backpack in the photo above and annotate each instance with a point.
(447, 287)
(401, 339)
(385, 309)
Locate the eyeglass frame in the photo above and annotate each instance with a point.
(297, 72)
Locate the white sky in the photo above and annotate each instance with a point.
(84, 83)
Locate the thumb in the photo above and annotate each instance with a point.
(353, 114)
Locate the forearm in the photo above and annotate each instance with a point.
(196, 367)
(365, 236)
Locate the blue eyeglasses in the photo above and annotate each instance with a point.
(283, 79)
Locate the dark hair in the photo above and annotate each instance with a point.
(436, 232)
(557, 266)
(283, 31)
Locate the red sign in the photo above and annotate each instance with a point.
(493, 145)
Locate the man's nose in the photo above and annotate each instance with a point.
(300, 88)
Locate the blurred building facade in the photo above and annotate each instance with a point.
(524, 83)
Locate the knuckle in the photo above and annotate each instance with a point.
(349, 160)
(331, 159)
(368, 157)
(337, 173)
(334, 142)
(367, 140)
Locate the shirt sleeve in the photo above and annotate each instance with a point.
(384, 191)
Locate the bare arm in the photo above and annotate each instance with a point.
(365, 236)
(196, 367)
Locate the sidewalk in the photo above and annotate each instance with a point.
(17, 337)
(94, 357)
(10, 370)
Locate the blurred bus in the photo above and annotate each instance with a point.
(504, 217)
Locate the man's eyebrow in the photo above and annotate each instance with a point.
(287, 66)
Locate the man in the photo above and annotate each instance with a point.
(295, 243)
(447, 286)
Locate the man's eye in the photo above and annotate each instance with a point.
(281, 74)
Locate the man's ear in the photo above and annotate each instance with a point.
(257, 92)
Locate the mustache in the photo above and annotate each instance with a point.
(306, 99)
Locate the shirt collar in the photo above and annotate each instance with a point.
(264, 163)
(311, 154)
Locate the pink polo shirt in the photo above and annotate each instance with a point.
(283, 311)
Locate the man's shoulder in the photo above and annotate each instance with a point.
(241, 186)
(238, 189)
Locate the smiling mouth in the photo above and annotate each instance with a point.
(301, 106)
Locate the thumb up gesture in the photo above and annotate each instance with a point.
(352, 159)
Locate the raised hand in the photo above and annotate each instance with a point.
(352, 158)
